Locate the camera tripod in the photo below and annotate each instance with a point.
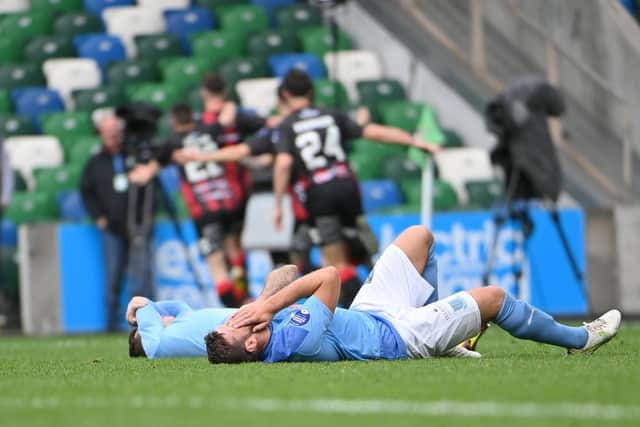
(517, 210)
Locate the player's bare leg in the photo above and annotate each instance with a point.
(524, 321)
(337, 255)
(235, 255)
(224, 286)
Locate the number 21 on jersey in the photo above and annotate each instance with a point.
(201, 171)
(314, 153)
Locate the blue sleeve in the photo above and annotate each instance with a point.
(303, 334)
(150, 328)
(172, 308)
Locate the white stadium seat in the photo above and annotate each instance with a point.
(351, 66)
(258, 94)
(259, 232)
(13, 6)
(68, 74)
(164, 4)
(127, 22)
(460, 165)
(27, 153)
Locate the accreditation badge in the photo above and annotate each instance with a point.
(120, 182)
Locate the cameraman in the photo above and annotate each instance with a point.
(105, 190)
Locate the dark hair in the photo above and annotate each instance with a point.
(135, 344)
(219, 350)
(298, 83)
(214, 84)
(182, 113)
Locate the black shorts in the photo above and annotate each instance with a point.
(333, 206)
(213, 227)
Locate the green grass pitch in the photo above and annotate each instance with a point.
(90, 381)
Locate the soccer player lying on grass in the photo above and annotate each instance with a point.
(387, 319)
(173, 329)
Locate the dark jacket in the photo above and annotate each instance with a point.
(99, 195)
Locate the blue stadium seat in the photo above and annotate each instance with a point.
(102, 48)
(282, 63)
(8, 233)
(270, 6)
(185, 22)
(70, 206)
(379, 194)
(33, 101)
(97, 6)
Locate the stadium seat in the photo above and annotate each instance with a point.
(164, 4)
(10, 50)
(14, 6)
(451, 139)
(20, 75)
(75, 23)
(69, 74)
(82, 149)
(246, 19)
(60, 178)
(157, 46)
(5, 101)
(371, 93)
(460, 165)
(184, 73)
(67, 126)
(33, 101)
(330, 94)
(27, 153)
(70, 206)
(15, 124)
(132, 71)
(379, 195)
(258, 94)
(45, 47)
(10, 283)
(19, 184)
(319, 40)
(281, 64)
(483, 194)
(243, 68)
(101, 97)
(218, 46)
(31, 207)
(214, 5)
(272, 42)
(102, 48)
(298, 16)
(54, 7)
(25, 25)
(400, 167)
(127, 22)
(366, 167)
(98, 6)
(271, 6)
(402, 114)
(163, 96)
(377, 149)
(444, 196)
(353, 66)
(185, 22)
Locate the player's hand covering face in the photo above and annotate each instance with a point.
(256, 315)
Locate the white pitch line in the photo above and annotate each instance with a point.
(448, 408)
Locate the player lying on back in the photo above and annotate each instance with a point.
(387, 319)
(173, 329)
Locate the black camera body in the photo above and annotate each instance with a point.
(141, 123)
(518, 117)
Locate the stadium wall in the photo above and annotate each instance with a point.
(62, 273)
